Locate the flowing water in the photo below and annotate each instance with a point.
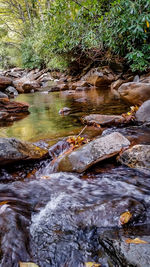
(65, 219)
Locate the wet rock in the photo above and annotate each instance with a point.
(30, 85)
(58, 148)
(100, 77)
(59, 87)
(12, 150)
(104, 120)
(125, 254)
(2, 95)
(91, 153)
(11, 91)
(134, 92)
(143, 113)
(137, 157)
(5, 82)
(79, 84)
(15, 110)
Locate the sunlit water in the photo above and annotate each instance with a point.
(65, 219)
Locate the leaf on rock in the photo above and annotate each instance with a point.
(92, 264)
(125, 217)
(3, 203)
(28, 264)
(135, 241)
(76, 141)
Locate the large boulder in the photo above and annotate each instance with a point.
(18, 83)
(30, 85)
(91, 153)
(137, 157)
(5, 82)
(134, 92)
(25, 84)
(103, 120)
(12, 150)
(99, 77)
(143, 113)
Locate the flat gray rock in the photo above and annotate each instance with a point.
(104, 120)
(91, 153)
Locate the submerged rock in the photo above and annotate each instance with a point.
(137, 157)
(134, 92)
(91, 153)
(12, 150)
(104, 120)
(143, 113)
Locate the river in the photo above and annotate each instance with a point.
(67, 219)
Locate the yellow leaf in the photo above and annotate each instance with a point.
(135, 241)
(125, 217)
(3, 203)
(92, 264)
(27, 264)
(147, 24)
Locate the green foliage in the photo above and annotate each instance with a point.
(55, 33)
(30, 59)
(128, 32)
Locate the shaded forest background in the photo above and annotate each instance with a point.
(63, 34)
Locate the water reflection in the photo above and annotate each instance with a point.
(44, 120)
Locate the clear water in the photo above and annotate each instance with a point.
(44, 120)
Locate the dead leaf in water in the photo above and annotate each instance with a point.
(125, 217)
(28, 264)
(135, 241)
(92, 264)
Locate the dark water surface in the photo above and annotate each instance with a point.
(65, 219)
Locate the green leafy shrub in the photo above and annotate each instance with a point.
(127, 32)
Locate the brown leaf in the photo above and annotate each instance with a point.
(92, 264)
(27, 264)
(135, 241)
(125, 217)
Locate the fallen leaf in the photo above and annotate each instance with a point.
(3, 203)
(125, 217)
(92, 264)
(135, 241)
(28, 264)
